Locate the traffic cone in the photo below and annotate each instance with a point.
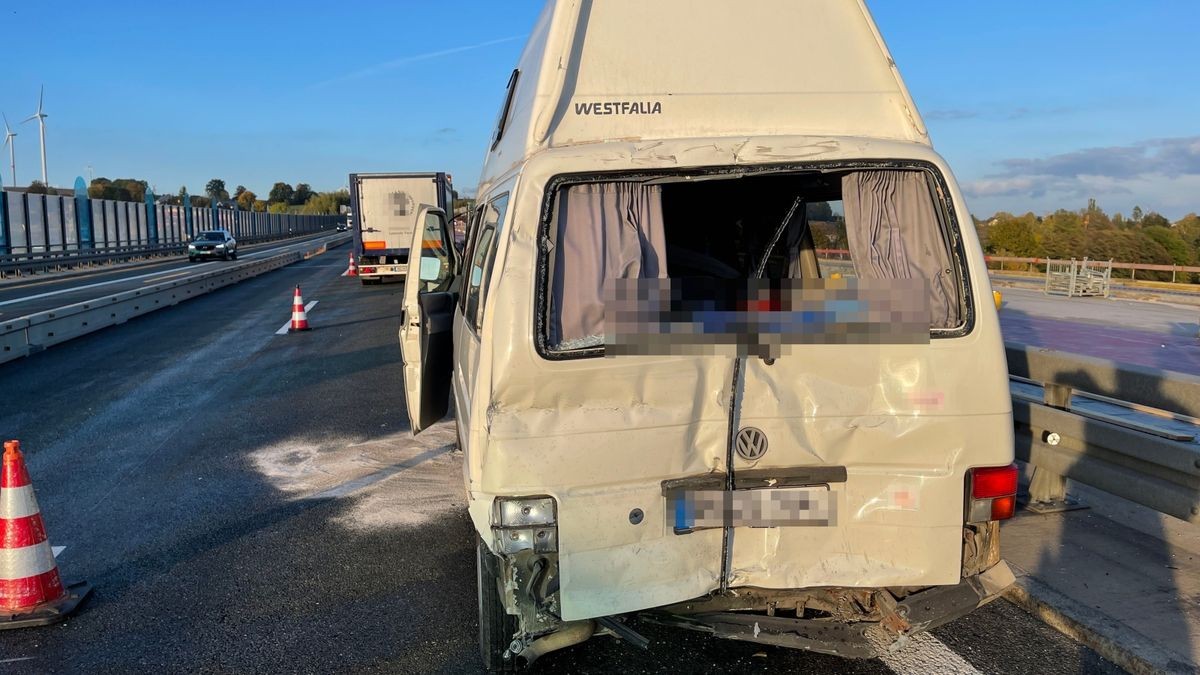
(31, 591)
(352, 271)
(299, 316)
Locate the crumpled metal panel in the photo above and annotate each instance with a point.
(601, 434)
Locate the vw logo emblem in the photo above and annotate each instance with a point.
(751, 443)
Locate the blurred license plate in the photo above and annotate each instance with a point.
(766, 507)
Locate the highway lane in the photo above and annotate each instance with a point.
(1152, 334)
(251, 502)
(27, 295)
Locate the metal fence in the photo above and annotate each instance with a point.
(40, 231)
(1125, 429)
(1078, 278)
(1176, 273)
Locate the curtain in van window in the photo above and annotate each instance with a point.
(604, 231)
(894, 233)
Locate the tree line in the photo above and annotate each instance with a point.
(282, 198)
(1147, 238)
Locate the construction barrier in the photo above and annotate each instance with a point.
(1078, 278)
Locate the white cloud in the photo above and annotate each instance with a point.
(1159, 174)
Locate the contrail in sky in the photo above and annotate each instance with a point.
(404, 61)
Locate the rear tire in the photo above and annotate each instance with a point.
(496, 626)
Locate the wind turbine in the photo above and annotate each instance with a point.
(9, 135)
(41, 118)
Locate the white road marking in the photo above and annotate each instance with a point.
(57, 550)
(19, 658)
(926, 654)
(50, 294)
(286, 326)
(172, 276)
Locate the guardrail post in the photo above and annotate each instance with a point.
(1048, 490)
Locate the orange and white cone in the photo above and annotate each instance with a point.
(31, 591)
(352, 270)
(299, 316)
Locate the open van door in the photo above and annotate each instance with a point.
(426, 320)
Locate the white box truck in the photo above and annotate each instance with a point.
(384, 209)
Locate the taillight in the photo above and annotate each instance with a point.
(993, 493)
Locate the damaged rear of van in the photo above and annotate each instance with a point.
(721, 344)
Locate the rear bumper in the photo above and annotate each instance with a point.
(914, 613)
(369, 270)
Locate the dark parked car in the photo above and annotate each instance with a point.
(213, 244)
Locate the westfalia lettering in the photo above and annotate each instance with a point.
(620, 108)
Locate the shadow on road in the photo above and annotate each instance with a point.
(1131, 575)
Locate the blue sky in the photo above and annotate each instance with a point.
(1037, 105)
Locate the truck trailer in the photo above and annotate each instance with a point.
(384, 208)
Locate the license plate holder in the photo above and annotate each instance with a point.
(798, 506)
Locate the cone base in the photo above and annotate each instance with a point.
(49, 612)
(299, 330)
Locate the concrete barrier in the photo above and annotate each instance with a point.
(32, 333)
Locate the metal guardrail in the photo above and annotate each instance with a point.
(1144, 463)
(31, 263)
(1031, 265)
(34, 332)
(17, 264)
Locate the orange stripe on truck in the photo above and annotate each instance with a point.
(374, 245)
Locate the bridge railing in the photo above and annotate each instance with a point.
(41, 231)
(1179, 273)
(1122, 428)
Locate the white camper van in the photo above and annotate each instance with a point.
(681, 344)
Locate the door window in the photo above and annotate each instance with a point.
(434, 272)
(483, 256)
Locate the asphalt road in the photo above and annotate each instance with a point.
(1153, 334)
(37, 293)
(244, 502)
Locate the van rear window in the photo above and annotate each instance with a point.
(863, 227)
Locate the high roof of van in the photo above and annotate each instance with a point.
(636, 70)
